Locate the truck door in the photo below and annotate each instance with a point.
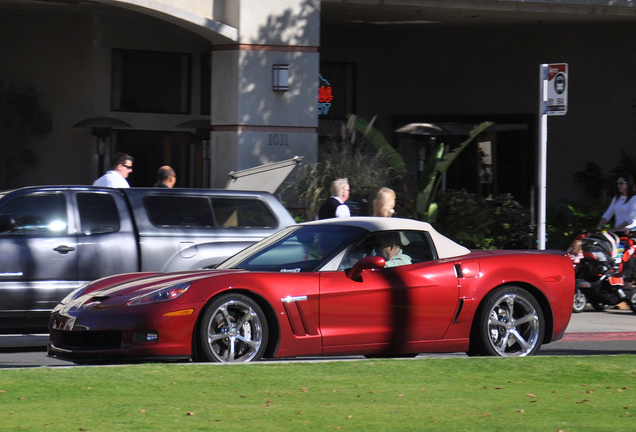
(107, 239)
(38, 257)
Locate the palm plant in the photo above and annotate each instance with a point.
(358, 154)
(434, 169)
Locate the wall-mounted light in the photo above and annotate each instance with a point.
(280, 78)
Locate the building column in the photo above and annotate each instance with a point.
(255, 119)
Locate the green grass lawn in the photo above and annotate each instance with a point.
(595, 393)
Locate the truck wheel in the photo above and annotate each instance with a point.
(509, 323)
(233, 328)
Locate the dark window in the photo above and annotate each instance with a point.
(153, 82)
(37, 215)
(98, 213)
(235, 212)
(179, 211)
(206, 84)
(417, 245)
(192, 211)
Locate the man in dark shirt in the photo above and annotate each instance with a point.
(166, 177)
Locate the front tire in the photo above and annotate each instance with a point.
(580, 301)
(510, 323)
(233, 328)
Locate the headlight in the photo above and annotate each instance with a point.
(161, 295)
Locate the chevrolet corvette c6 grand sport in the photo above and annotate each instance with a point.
(355, 286)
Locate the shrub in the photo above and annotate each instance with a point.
(478, 223)
(567, 219)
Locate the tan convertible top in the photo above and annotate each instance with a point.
(446, 248)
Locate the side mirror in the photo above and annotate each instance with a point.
(7, 222)
(368, 263)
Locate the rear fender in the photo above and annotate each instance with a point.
(553, 284)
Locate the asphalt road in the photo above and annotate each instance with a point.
(589, 333)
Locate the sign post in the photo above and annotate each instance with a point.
(553, 101)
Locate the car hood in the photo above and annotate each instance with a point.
(122, 291)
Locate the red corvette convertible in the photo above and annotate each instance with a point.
(367, 286)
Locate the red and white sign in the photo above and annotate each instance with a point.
(556, 91)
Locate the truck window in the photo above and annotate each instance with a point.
(38, 215)
(179, 211)
(98, 213)
(235, 212)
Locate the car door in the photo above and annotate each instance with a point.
(38, 256)
(387, 308)
(107, 240)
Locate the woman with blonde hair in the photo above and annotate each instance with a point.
(384, 203)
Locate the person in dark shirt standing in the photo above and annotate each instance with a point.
(166, 177)
(335, 206)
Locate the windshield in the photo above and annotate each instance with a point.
(295, 249)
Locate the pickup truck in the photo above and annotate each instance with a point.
(54, 239)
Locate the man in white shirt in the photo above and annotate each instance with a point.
(121, 167)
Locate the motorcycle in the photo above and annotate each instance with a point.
(603, 268)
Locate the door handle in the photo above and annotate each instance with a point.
(63, 249)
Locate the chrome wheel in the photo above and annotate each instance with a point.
(510, 324)
(579, 302)
(233, 329)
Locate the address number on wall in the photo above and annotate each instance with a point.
(278, 140)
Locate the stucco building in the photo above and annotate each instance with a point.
(211, 86)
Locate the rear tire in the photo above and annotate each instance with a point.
(233, 328)
(509, 323)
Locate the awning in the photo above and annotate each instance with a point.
(266, 178)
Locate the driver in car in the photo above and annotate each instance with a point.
(389, 247)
